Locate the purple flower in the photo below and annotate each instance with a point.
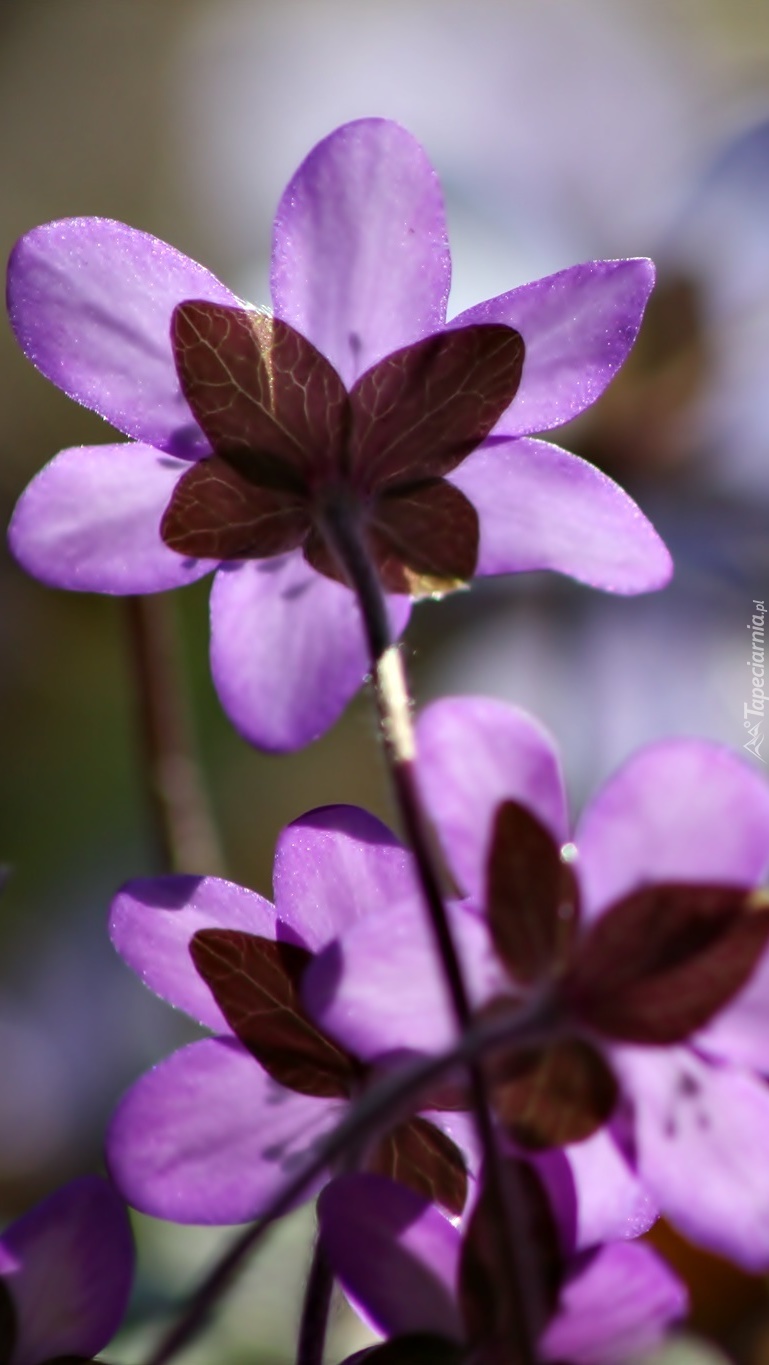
(66, 1270)
(213, 1131)
(360, 273)
(669, 844)
(410, 1271)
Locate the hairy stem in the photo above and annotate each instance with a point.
(184, 832)
(394, 707)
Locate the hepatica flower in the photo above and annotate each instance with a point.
(66, 1270)
(255, 435)
(643, 945)
(215, 1130)
(442, 1294)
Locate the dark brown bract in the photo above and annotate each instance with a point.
(293, 451)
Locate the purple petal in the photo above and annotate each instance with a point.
(90, 521)
(679, 810)
(578, 327)
(152, 922)
(541, 508)
(462, 1127)
(90, 301)
(394, 1253)
(68, 1265)
(612, 1202)
(594, 1193)
(702, 1134)
(379, 988)
(740, 1033)
(287, 649)
(335, 865)
(208, 1137)
(360, 260)
(616, 1305)
(474, 754)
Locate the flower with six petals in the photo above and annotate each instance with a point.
(251, 435)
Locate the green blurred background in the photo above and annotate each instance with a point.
(562, 130)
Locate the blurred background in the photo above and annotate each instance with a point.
(562, 130)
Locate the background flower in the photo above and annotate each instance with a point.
(66, 1268)
(700, 1116)
(211, 1134)
(409, 1270)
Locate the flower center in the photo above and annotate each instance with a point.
(292, 448)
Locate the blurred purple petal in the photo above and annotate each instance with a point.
(395, 1255)
(208, 1137)
(702, 1134)
(578, 327)
(335, 865)
(740, 1033)
(678, 810)
(614, 1306)
(542, 508)
(90, 521)
(90, 301)
(68, 1265)
(474, 754)
(594, 1193)
(360, 260)
(380, 988)
(151, 925)
(287, 649)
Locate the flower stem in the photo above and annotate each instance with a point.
(184, 833)
(393, 1094)
(395, 707)
(315, 1309)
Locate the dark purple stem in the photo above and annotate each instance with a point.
(395, 706)
(394, 1094)
(315, 1309)
(184, 832)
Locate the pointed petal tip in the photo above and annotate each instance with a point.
(540, 507)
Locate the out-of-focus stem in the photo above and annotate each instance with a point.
(379, 1106)
(394, 708)
(184, 832)
(315, 1309)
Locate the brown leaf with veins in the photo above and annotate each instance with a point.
(216, 513)
(292, 450)
(255, 982)
(550, 1096)
(532, 895)
(421, 1156)
(256, 385)
(422, 542)
(419, 412)
(660, 963)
